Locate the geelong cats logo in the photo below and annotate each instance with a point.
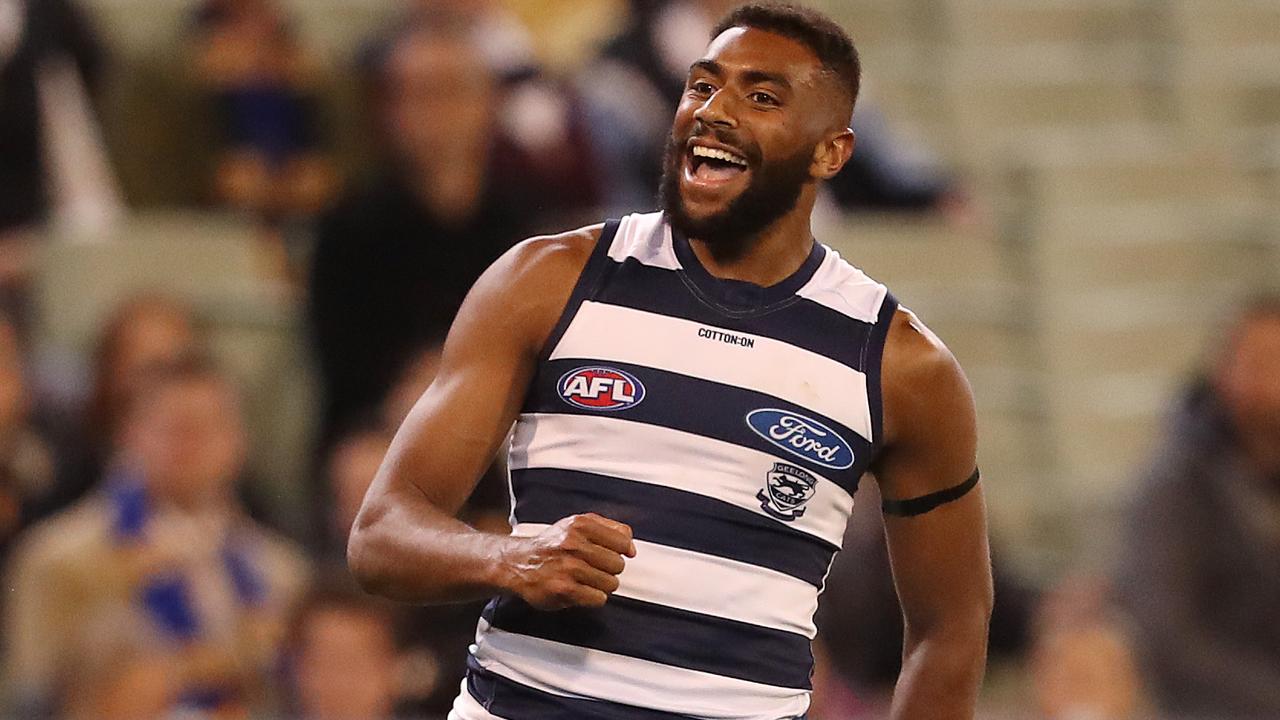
(786, 489)
(600, 388)
(802, 436)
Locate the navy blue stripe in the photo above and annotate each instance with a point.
(802, 323)
(509, 699)
(701, 407)
(873, 361)
(597, 266)
(738, 298)
(674, 518)
(668, 636)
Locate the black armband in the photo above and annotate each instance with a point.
(925, 503)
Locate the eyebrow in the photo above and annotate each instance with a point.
(752, 77)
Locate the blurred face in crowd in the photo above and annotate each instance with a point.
(346, 665)
(352, 466)
(144, 332)
(13, 392)
(440, 100)
(764, 105)
(1086, 672)
(188, 439)
(1248, 378)
(150, 332)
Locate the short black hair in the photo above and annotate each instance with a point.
(814, 30)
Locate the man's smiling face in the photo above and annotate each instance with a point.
(743, 144)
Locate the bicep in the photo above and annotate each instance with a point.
(940, 558)
(454, 430)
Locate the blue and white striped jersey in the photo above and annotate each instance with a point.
(728, 425)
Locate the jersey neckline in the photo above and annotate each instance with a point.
(741, 297)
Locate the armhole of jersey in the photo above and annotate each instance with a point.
(588, 282)
(874, 355)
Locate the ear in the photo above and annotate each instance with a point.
(830, 156)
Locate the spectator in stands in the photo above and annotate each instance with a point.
(165, 537)
(1082, 661)
(36, 36)
(143, 331)
(538, 125)
(27, 471)
(632, 90)
(342, 658)
(261, 80)
(1200, 574)
(394, 260)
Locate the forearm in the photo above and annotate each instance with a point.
(411, 551)
(941, 672)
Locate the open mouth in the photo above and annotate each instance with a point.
(714, 166)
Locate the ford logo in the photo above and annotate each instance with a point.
(802, 436)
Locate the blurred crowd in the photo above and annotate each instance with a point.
(141, 579)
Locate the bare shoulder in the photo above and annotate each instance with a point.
(521, 296)
(923, 383)
(913, 352)
(551, 259)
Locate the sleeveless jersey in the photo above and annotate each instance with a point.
(728, 425)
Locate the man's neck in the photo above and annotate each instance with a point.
(450, 192)
(766, 259)
(209, 505)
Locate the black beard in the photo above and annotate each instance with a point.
(773, 192)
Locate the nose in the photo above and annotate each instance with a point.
(715, 112)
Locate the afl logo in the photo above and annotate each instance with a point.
(600, 388)
(803, 437)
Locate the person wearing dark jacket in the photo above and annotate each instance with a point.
(394, 259)
(1200, 575)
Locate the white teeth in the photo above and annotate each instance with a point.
(715, 154)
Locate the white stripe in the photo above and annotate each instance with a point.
(606, 332)
(712, 585)
(582, 672)
(845, 289)
(657, 455)
(465, 707)
(647, 239)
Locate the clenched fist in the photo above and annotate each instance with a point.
(574, 563)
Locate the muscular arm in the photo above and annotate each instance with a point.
(406, 543)
(940, 558)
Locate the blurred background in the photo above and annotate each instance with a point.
(234, 232)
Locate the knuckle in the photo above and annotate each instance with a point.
(563, 590)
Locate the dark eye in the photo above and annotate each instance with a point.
(763, 98)
(702, 87)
